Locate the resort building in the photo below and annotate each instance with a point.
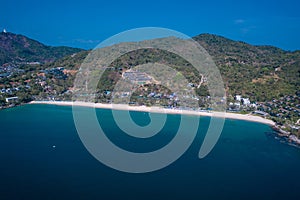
(137, 77)
(11, 99)
(238, 97)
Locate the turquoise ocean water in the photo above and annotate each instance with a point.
(248, 162)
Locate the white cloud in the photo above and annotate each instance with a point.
(239, 21)
(83, 41)
(245, 30)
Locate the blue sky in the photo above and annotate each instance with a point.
(86, 23)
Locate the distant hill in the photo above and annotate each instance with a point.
(260, 72)
(229, 52)
(18, 48)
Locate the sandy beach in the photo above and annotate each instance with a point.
(247, 117)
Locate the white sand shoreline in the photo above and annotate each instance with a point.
(247, 117)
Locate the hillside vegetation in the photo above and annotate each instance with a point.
(260, 73)
(20, 49)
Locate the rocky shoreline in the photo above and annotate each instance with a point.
(293, 139)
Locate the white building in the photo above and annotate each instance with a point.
(238, 97)
(253, 105)
(237, 104)
(246, 101)
(11, 99)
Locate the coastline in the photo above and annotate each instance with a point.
(226, 115)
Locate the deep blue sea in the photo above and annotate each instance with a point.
(248, 162)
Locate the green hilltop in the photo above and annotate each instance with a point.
(15, 48)
(260, 73)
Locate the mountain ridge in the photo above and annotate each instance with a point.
(260, 72)
(17, 48)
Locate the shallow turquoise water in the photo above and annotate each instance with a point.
(247, 162)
